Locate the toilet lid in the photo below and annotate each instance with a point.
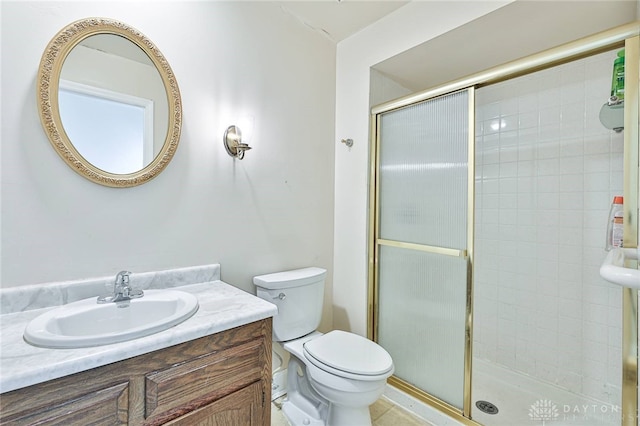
(350, 353)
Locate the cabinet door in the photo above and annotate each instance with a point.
(107, 406)
(241, 408)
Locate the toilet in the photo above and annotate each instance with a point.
(332, 378)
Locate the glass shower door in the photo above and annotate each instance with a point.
(423, 242)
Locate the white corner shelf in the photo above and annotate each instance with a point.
(613, 269)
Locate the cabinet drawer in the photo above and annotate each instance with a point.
(109, 406)
(195, 383)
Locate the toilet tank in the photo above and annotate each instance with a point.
(299, 296)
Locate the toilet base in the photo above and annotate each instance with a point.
(340, 415)
(302, 406)
(297, 417)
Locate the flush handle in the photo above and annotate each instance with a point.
(281, 296)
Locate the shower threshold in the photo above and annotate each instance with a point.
(524, 400)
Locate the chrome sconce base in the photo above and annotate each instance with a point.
(233, 142)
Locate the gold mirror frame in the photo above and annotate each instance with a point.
(47, 97)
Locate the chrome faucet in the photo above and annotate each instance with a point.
(122, 291)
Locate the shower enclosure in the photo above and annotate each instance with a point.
(546, 172)
(491, 197)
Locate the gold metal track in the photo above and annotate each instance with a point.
(471, 202)
(422, 247)
(588, 46)
(630, 296)
(374, 162)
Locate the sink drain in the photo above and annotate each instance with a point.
(487, 407)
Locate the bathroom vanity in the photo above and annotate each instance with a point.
(214, 368)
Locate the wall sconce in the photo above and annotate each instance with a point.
(233, 142)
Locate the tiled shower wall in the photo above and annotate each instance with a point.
(546, 172)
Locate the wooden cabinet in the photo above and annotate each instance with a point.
(222, 379)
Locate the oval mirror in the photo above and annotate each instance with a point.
(109, 102)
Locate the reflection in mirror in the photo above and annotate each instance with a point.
(112, 110)
(112, 133)
(108, 90)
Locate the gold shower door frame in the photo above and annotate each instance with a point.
(466, 254)
(626, 36)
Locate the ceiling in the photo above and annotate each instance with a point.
(513, 31)
(337, 19)
(512, 26)
(115, 45)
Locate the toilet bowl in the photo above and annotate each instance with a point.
(332, 378)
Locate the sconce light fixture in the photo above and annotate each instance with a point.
(233, 142)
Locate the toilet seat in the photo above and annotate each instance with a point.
(349, 355)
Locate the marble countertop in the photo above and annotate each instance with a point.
(222, 307)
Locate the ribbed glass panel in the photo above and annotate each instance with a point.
(423, 172)
(421, 319)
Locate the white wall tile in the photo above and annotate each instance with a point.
(548, 183)
(528, 136)
(548, 96)
(548, 201)
(508, 201)
(491, 157)
(571, 165)
(571, 183)
(594, 200)
(548, 166)
(571, 129)
(596, 163)
(573, 112)
(549, 115)
(569, 272)
(570, 235)
(528, 102)
(509, 185)
(597, 145)
(509, 105)
(491, 111)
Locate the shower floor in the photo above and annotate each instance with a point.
(523, 400)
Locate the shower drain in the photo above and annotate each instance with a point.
(487, 407)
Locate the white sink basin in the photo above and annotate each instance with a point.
(87, 323)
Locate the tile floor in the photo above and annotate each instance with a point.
(383, 413)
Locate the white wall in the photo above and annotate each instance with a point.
(409, 26)
(268, 212)
(383, 88)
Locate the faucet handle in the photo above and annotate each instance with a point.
(121, 290)
(123, 277)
